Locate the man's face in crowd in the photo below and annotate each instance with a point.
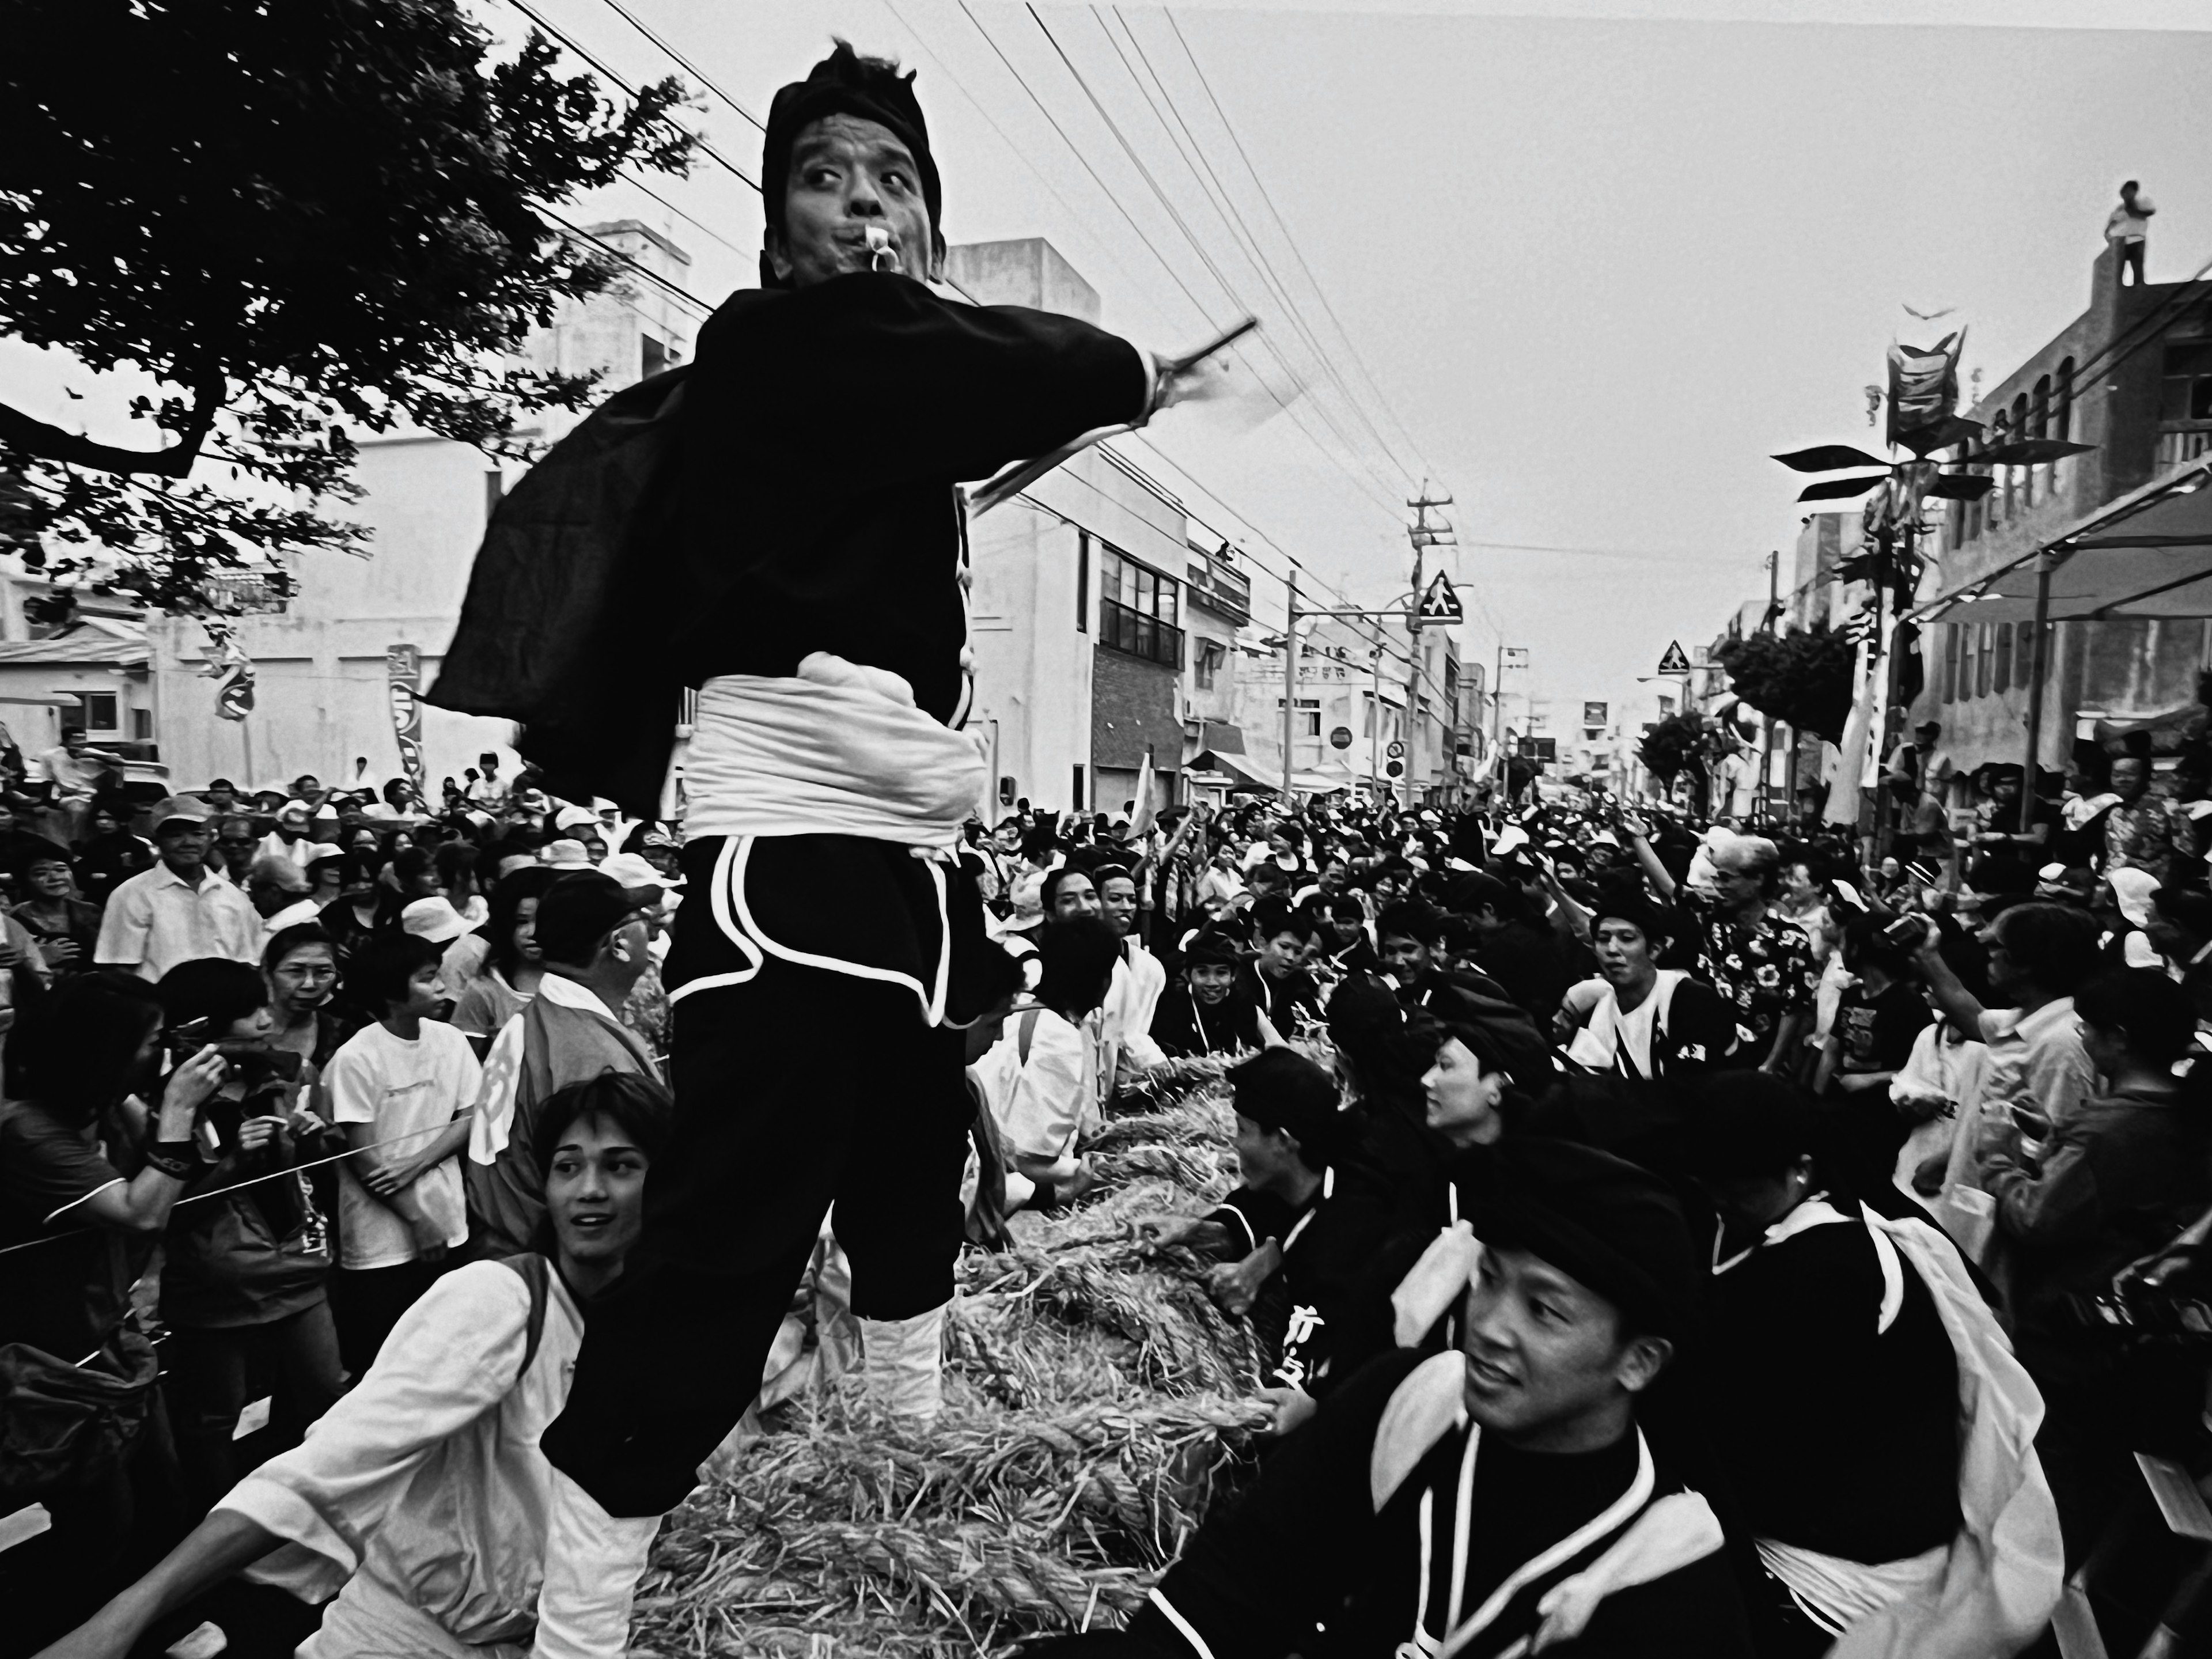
(1210, 982)
(846, 175)
(49, 878)
(236, 840)
(1074, 897)
(1545, 1355)
(75, 742)
(1263, 1156)
(2130, 778)
(183, 848)
(307, 786)
(1624, 954)
(1391, 886)
(1280, 954)
(1735, 885)
(595, 1191)
(1343, 928)
(1405, 959)
(1333, 875)
(221, 797)
(1008, 836)
(1119, 901)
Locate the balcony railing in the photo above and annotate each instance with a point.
(2177, 444)
(1139, 635)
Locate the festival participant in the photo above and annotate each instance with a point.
(1045, 1077)
(1209, 1013)
(1067, 892)
(1345, 947)
(2148, 832)
(1278, 1226)
(179, 910)
(495, 971)
(421, 1502)
(1278, 984)
(1759, 962)
(818, 607)
(1480, 1501)
(1639, 1020)
(2115, 1180)
(1525, 956)
(65, 928)
(399, 1090)
(1140, 980)
(1833, 1396)
(592, 947)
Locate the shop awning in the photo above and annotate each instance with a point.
(1318, 783)
(2148, 553)
(1241, 773)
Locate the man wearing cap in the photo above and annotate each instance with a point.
(593, 938)
(279, 891)
(813, 591)
(1497, 1498)
(1208, 1013)
(179, 910)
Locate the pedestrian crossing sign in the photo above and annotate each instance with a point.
(1440, 606)
(1675, 662)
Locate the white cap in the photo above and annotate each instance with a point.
(434, 918)
(565, 854)
(631, 869)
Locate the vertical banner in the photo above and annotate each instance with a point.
(403, 669)
(231, 669)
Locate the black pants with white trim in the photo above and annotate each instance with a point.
(800, 1091)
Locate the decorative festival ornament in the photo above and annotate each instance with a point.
(231, 669)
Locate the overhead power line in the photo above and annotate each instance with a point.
(684, 63)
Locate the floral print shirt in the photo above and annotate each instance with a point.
(1765, 973)
(2152, 834)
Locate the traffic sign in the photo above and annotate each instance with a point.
(1395, 750)
(1440, 606)
(1396, 768)
(1675, 662)
(1340, 736)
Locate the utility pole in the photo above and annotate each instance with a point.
(1424, 536)
(1375, 722)
(1290, 677)
(1764, 797)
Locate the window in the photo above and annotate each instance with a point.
(142, 725)
(2001, 674)
(95, 711)
(653, 356)
(1983, 660)
(1947, 683)
(1212, 654)
(1307, 722)
(1137, 608)
(2185, 394)
(1082, 581)
(2062, 425)
(2020, 430)
(1969, 637)
(1075, 796)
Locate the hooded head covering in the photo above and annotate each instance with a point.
(1614, 1227)
(845, 83)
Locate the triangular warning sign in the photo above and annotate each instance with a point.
(1440, 605)
(1673, 662)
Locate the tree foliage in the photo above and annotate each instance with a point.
(303, 219)
(1676, 746)
(1804, 678)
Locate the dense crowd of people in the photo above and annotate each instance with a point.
(280, 1067)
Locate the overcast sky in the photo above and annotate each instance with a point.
(1600, 257)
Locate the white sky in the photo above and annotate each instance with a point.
(1602, 257)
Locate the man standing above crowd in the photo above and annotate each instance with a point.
(2146, 831)
(179, 910)
(72, 769)
(816, 573)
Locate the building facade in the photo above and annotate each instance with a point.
(2132, 375)
(323, 701)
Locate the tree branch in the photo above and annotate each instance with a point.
(51, 443)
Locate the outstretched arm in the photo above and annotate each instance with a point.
(213, 1551)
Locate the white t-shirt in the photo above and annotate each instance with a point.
(400, 1088)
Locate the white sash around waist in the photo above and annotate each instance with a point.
(828, 752)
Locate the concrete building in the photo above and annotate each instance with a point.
(322, 699)
(2132, 375)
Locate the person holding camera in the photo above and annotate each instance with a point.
(88, 1173)
(246, 1279)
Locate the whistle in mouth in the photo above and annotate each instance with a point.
(880, 254)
